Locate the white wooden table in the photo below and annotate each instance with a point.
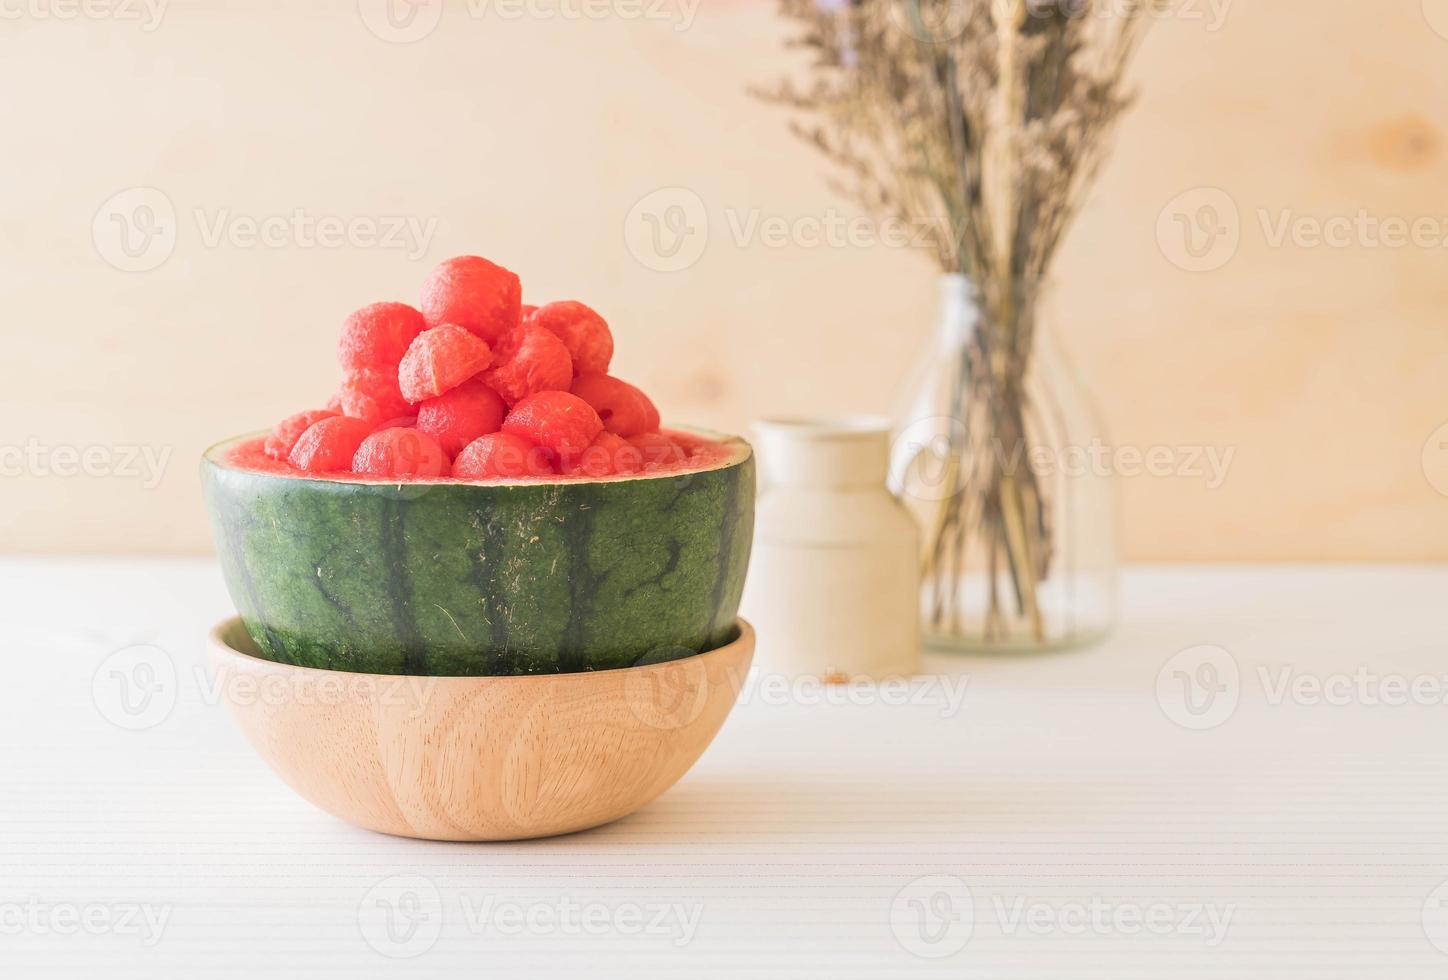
(1073, 815)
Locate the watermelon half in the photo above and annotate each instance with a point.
(447, 577)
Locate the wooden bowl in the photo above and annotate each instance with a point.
(479, 758)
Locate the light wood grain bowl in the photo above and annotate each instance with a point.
(479, 758)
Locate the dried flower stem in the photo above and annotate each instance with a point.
(985, 121)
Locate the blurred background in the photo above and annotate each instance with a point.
(194, 194)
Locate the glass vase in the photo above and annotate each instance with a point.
(1000, 457)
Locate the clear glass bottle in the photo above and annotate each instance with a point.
(999, 455)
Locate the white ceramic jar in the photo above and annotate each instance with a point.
(833, 585)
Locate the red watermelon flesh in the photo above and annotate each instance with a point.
(373, 393)
(624, 409)
(563, 424)
(477, 375)
(501, 455)
(457, 417)
(529, 360)
(665, 452)
(286, 432)
(607, 455)
(377, 336)
(400, 452)
(329, 445)
(583, 332)
(477, 295)
(439, 360)
(659, 451)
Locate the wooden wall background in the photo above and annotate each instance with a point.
(1321, 367)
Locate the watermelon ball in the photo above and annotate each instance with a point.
(284, 434)
(472, 292)
(373, 393)
(439, 360)
(401, 422)
(455, 418)
(529, 360)
(563, 424)
(329, 445)
(525, 311)
(399, 452)
(608, 455)
(658, 449)
(377, 336)
(624, 409)
(583, 332)
(501, 454)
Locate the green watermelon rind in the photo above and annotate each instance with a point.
(468, 578)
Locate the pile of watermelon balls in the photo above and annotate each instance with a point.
(475, 385)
